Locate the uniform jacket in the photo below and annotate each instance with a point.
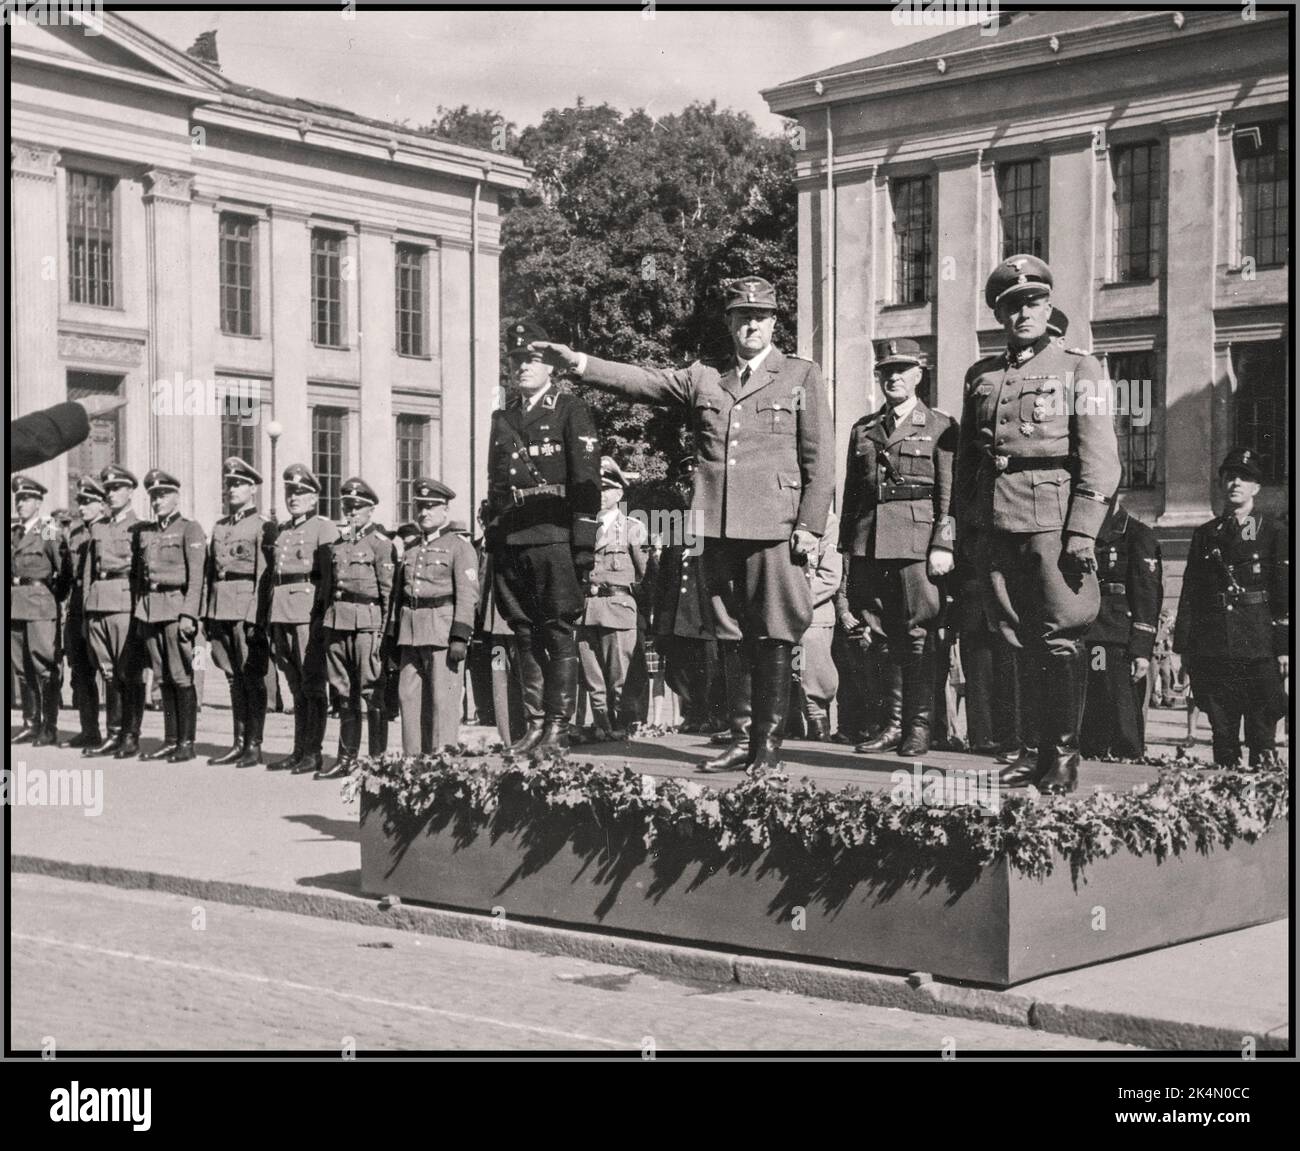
(109, 589)
(1040, 406)
(361, 565)
(442, 566)
(238, 562)
(1236, 597)
(682, 605)
(79, 554)
(40, 555)
(553, 445)
(765, 451)
(1132, 585)
(620, 566)
(169, 564)
(898, 486)
(825, 574)
(301, 550)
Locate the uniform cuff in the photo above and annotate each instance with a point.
(945, 534)
(462, 631)
(581, 369)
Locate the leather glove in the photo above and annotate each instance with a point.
(584, 559)
(456, 653)
(188, 627)
(1081, 552)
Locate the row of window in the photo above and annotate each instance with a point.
(1262, 157)
(92, 272)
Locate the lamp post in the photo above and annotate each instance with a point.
(274, 429)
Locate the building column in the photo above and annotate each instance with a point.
(207, 500)
(290, 339)
(957, 287)
(167, 241)
(37, 379)
(378, 343)
(1189, 316)
(488, 360)
(457, 465)
(1070, 183)
(855, 310)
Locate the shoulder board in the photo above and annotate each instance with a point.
(1077, 351)
(792, 356)
(941, 412)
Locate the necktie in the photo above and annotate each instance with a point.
(890, 423)
(744, 375)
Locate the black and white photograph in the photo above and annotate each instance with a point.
(650, 532)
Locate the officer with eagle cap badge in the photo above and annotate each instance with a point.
(81, 660)
(431, 621)
(357, 584)
(1037, 465)
(544, 497)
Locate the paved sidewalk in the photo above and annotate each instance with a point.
(273, 840)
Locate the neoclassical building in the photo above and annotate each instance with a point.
(1145, 154)
(222, 257)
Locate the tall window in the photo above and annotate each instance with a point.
(1260, 417)
(327, 288)
(103, 445)
(1138, 212)
(239, 437)
(412, 441)
(1022, 200)
(410, 300)
(1133, 376)
(90, 239)
(913, 240)
(1263, 155)
(327, 432)
(236, 274)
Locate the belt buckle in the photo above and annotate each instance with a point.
(1001, 462)
(516, 496)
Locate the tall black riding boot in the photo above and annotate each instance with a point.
(301, 707)
(532, 686)
(889, 673)
(254, 721)
(167, 694)
(376, 732)
(740, 704)
(771, 703)
(49, 697)
(237, 706)
(560, 699)
(128, 746)
(318, 716)
(1030, 674)
(112, 722)
(1064, 695)
(187, 717)
(349, 745)
(86, 697)
(918, 700)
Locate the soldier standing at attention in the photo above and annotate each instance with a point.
(237, 602)
(357, 584)
(81, 660)
(1234, 617)
(297, 637)
(608, 633)
(1122, 637)
(431, 620)
(110, 614)
(544, 493)
(1036, 468)
(39, 576)
(899, 534)
(169, 563)
(763, 487)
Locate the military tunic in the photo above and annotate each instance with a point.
(897, 509)
(1233, 622)
(170, 556)
(683, 631)
(764, 471)
(1130, 579)
(116, 642)
(76, 636)
(608, 634)
(1037, 458)
(357, 585)
(434, 599)
(40, 574)
(297, 636)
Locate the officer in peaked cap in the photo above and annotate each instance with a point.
(236, 611)
(763, 490)
(899, 534)
(1037, 467)
(116, 640)
(170, 558)
(431, 621)
(299, 559)
(544, 496)
(1234, 627)
(81, 660)
(356, 588)
(40, 574)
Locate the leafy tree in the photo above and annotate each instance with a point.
(475, 128)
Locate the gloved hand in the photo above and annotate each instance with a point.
(1081, 552)
(456, 653)
(188, 626)
(584, 559)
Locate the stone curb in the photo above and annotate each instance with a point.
(675, 961)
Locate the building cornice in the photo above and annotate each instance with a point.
(33, 161)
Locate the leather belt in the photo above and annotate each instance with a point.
(281, 580)
(905, 492)
(354, 597)
(521, 494)
(1229, 599)
(226, 577)
(426, 601)
(1114, 589)
(30, 581)
(125, 574)
(604, 590)
(1009, 464)
(166, 586)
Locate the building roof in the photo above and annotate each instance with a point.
(1015, 26)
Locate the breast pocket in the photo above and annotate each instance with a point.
(915, 460)
(1040, 402)
(1050, 496)
(776, 417)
